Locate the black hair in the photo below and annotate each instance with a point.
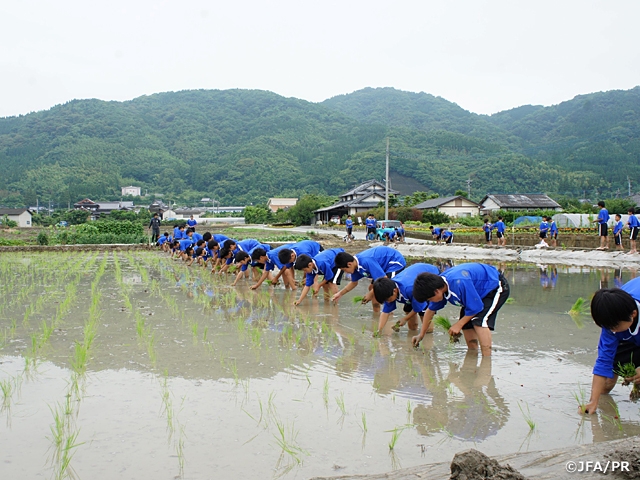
(228, 242)
(211, 244)
(155, 214)
(206, 236)
(199, 251)
(610, 306)
(284, 255)
(240, 256)
(631, 210)
(499, 217)
(486, 220)
(618, 215)
(383, 288)
(302, 261)
(200, 242)
(224, 251)
(181, 226)
(343, 258)
(425, 286)
(257, 253)
(601, 203)
(166, 234)
(189, 249)
(190, 230)
(431, 227)
(175, 243)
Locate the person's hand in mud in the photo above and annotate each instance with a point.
(590, 408)
(368, 297)
(416, 341)
(336, 297)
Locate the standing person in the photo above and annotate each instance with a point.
(349, 224)
(154, 225)
(615, 311)
(543, 230)
(500, 229)
(480, 290)
(603, 218)
(192, 223)
(553, 231)
(634, 226)
(388, 291)
(373, 263)
(487, 227)
(371, 226)
(617, 232)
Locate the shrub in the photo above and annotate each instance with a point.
(124, 227)
(435, 217)
(43, 239)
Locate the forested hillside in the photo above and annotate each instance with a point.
(243, 146)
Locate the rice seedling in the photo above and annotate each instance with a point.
(340, 403)
(580, 307)
(510, 300)
(580, 396)
(527, 417)
(205, 331)
(395, 434)
(445, 324)
(7, 387)
(325, 392)
(363, 422)
(625, 372)
(286, 439)
(357, 299)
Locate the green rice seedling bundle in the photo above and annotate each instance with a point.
(445, 324)
(580, 307)
(358, 299)
(626, 371)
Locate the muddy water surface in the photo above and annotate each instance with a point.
(186, 377)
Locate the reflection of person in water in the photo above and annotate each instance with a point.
(476, 415)
(548, 279)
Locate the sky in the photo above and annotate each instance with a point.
(486, 56)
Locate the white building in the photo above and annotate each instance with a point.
(276, 204)
(21, 216)
(130, 190)
(456, 206)
(359, 199)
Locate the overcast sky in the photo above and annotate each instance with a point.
(486, 56)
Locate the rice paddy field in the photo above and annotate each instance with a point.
(132, 366)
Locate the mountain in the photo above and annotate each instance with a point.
(244, 146)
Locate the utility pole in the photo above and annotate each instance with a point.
(629, 182)
(469, 187)
(386, 187)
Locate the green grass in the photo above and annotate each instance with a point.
(527, 417)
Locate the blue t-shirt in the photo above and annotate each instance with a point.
(219, 238)
(272, 257)
(264, 246)
(370, 222)
(436, 231)
(447, 234)
(617, 228)
(323, 264)
(603, 216)
(185, 243)
(487, 227)
(544, 227)
(553, 227)
(305, 247)
(468, 284)
(633, 221)
(404, 282)
(195, 237)
(499, 226)
(163, 239)
(608, 344)
(192, 223)
(377, 262)
(179, 234)
(349, 223)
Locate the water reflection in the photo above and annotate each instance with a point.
(465, 404)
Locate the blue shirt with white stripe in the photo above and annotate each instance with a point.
(468, 284)
(633, 221)
(272, 257)
(377, 262)
(323, 264)
(264, 246)
(603, 216)
(404, 282)
(305, 247)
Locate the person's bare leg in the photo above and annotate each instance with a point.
(471, 338)
(483, 335)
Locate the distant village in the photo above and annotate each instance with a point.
(355, 202)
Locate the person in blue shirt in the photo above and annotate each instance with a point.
(446, 236)
(543, 230)
(178, 232)
(500, 229)
(436, 233)
(553, 231)
(371, 225)
(270, 261)
(388, 291)
(634, 227)
(242, 259)
(192, 223)
(615, 311)
(373, 263)
(231, 247)
(602, 221)
(193, 235)
(322, 264)
(480, 290)
(164, 242)
(401, 232)
(617, 232)
(487, 227)
(349, 225)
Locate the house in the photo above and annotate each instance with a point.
(185, 213)
(159, 207)
(357, 200)
(101, 208)
(276, 204)
(455, 206)
(519, 202)
(22, 216)
(130, 190)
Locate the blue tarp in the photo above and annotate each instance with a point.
(527, 219)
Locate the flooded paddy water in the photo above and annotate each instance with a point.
(131, 365)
